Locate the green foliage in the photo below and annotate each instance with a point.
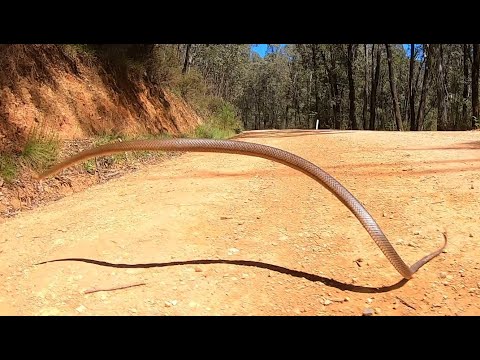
(41, 149)
(74, 50)
(8, 168)
(223, 122)
(191, 85)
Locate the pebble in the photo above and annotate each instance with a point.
(400, 241)
(471, 186)
(377, 311)
(346, 298)
(81, 309)
(369, 300)
(470, 235)
(233, 278)
(416, 232)
(449, 277)
(443, 275)
(326, 302)
(133, 310)
(384, 214)
(368, 312)
(198, 269)
(232, 251)
(244, 276)
(171, 303)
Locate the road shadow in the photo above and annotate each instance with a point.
(280, 269)
(470, 145)
(286, 133)
(401, 167)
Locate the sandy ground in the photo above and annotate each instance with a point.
(212, 234)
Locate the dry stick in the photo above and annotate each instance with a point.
(113, 288)
(405, 303)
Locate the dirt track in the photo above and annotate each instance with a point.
(212, 234)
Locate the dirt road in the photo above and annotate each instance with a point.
(211, 234)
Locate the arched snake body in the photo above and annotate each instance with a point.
(270, 153)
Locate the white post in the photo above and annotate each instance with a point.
(316, 128)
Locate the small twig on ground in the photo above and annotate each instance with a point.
(405, 303)
(93, 290)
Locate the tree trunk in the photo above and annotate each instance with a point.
(315, 82)
(475, 73)
(336, 94)
(393, 89)
(466, 51)
(365, 90)
(375, 77)
(411, 90)
(423, 95)
(441, 90)
(351, 87)
(186, 62)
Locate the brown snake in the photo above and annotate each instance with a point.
(270, 153)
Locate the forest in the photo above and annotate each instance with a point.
(346, 86)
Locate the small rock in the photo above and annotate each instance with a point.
(377, 311)
(270, 273)
(296, 311)
(233, 278)
(399, 241)
(346, 298)
(81, 309)
(478, 284)
(133, 310)
(471, 186)
(369, 300)
(470, 235)
(18, 235)
(171, 303)
(240, 223)
(244, 276)
(354, 280)
(274, 243)
(198, 269)
(368, 312)
(224, 217)
(416, 232)
(232, 251)
(445, 297)
(443, 275)
(449, 277)
(390, 217)
(384, 214)
(412, 244)
(472, 290)
(326, 302)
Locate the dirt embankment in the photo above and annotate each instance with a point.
(75, 97)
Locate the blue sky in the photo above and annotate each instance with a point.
(261, 49)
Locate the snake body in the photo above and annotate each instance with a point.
(270, 153)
